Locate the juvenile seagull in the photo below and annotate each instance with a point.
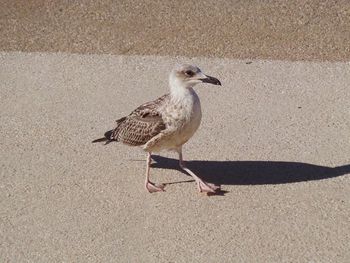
(166, 123)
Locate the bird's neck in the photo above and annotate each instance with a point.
(180, 92)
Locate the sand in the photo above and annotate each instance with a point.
(275, 135)
(293, 30)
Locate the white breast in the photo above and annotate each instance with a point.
(195, 116)
(182, 118)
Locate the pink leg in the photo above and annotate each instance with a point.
(202, 185)
(151, 187)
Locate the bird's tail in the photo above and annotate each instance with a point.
(106, 139)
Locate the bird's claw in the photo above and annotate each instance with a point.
(207, 187)
(152, 188)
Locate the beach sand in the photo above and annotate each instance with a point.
(275, 135)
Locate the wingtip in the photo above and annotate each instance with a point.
(99, 140)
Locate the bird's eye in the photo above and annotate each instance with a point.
(189, 73)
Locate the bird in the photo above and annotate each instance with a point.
(166, 123)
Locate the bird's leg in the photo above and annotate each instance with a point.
(202, 185)
(151, 187)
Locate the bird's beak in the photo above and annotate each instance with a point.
(212, 80)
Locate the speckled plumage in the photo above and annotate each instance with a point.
(167, 122)
(142, 124)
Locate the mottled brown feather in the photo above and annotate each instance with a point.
(142, 124)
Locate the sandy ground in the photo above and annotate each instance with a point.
(293, 30)
(275, 136)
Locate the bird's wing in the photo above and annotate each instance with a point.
(142, 124)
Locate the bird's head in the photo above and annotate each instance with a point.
(188, 75)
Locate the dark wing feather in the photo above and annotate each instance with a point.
(141, 125)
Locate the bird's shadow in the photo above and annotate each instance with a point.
(253, 172)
